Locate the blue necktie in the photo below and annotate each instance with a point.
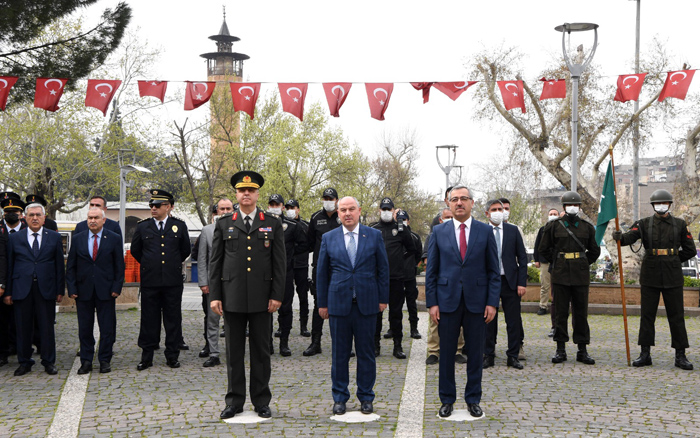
(35, 245)
(352, 249)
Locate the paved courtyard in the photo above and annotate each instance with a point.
(543, 400)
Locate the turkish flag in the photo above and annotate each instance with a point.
(6, 82)
(454, 89)
(553, 89)
(244, 96)
(512, 94)
(48, 93)
(197, 94)
(425, 86)
(676, 85)
(153, 88)
(629, 87)
(100, 93)
(292, 96)
(378, 96)
(336, 93)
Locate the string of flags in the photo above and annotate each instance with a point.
(244, 95)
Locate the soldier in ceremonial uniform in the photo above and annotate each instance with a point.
(667, 243)
(49, 224)
(246, 282)
(321, 222)
(568, 244)
(301, 268)
(161, 244)
(11, 222)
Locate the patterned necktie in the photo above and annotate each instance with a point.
(160, 227)
(13, 231)
(498, 245)
(35, 245)
(94, 247)
(462, 241)
(247, 224)
(352, 249)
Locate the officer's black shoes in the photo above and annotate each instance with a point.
(460, 359)
(682, 362)
(315, 347)
(559, 356)
(183, 346)
(644, 358)
(263, 411)
(204, 352)
(22, 370)
(105, 367)
(338, 408)
(398, 352)
(173, 363)
(582, 355)
(414, 333)
(432, 360)
(284, 347)
(52, 370)
(366, 407)
(230, 412)
(542, 311)
(389, 334)
(211, 362)
(514, 363)
(85, 367)
(446, 410)
(475, 410)
(143, 365)
(278, 333)
(489, 362)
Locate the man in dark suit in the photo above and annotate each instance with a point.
(513, 269)
(462, 286)
(94, 276)
(13, 208)
(247, 272)
(36, 281)
(49, 223)
(101, 203)
(161, 244)
(352, 288)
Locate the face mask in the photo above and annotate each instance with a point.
(506, 215)
(386, 216)
(277, 210)
(291, 214)
(329, 205)
(11, 218)
(661, 208)
(572, 210)
(497, 217)
(553, 218)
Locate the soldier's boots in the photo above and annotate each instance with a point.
(560, 355)
(398, 350)
(682, 362)
(414, 330)
(582, 355)
(315, 347)
(644, 358)
(302, 328)
(284, 346)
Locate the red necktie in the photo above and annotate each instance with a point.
(462, 240)
(94, 247)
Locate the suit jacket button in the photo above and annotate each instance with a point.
(163, 262)
(162, 244)
(248, 248)
(248, 258)
(162, 253)
(248, 237)
(248, 269)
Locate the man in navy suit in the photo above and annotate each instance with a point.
(94, 275)
(513, 261)
(98, 201)
(36, 281)
(352, 287)
(462, 285)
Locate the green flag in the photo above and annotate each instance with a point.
(608, 205)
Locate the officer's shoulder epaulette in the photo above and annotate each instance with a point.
(287, 221)
(226, 215)
(176, 218)
(374, 225)
(144, 220)
(586, 221)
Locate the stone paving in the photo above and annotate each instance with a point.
(543, 400)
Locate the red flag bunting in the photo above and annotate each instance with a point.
(629, 87)
(244, 96)
(48, 93)
(197, 94)
(553, 89)
(153, 88)
(6, 83)
(676, 85)
(378, 96)
(336, 93)
(100, 93)
(293, 96)
(512, 94)
(425, 86)
(454, 89)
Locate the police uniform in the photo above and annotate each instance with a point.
(409, 282)
(161, 254)
(667, 244)
(10, 203)
(301, 274)
(569, 245)
(246, 271)
(319, 224)
(49, 223)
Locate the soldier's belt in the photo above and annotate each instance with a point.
(571, 255)
(670, 251)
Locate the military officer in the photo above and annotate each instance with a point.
(301, 268)
(160, 244)
(246, 282)
(667, 243)
(49, 224)
(569, 245)
(11, 222)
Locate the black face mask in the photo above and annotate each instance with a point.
(11, 218)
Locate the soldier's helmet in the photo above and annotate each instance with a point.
(661, 195)
(570, 198)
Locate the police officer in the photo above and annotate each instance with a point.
(667, 243)
(11, 222)
(397, 241)
(301, 268)
(569, 245)
(49, 224)
(160, 244)
(410, 272)
(294, 243)
(321, 222)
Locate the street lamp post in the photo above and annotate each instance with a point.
(123, 184)
(451, 158)
(576, 69)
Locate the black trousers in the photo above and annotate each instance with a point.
(673, 301)
(510, 303)
(260, 324)
(396, 300)
(577, 297)
(157, 302)
(316, 320)
(7, 329)
(284, 314)
(411, 291)
(35, 308)
(301, 279)
(107, 321)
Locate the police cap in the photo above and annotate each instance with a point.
(386, 203)
(247, 178)
(10, 203)
(402, 215)
(36, 199)
(159, 196)
(330, 192)
(292, 203)
(276, 198)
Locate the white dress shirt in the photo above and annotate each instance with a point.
(346, 234)
(500, 233)
(165, 221)
(30, 236)
(456, 224)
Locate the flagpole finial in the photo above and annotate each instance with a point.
(224, 6)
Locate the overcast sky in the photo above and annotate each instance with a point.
(401, 41)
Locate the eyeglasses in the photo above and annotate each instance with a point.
(462, 198)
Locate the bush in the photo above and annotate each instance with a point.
(691, 282)
(533, 274)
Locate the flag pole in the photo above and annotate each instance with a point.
(619, 262)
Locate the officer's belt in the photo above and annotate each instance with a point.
(571, 255)
(670, 251)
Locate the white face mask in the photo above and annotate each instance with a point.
(275, 210)
(553, 218)
(571, 209)
(506, 215)
(291, 214)
(386, 216)
(661, 208)
(496, 217)
(329, 205)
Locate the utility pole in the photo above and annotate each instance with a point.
(635, 131)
